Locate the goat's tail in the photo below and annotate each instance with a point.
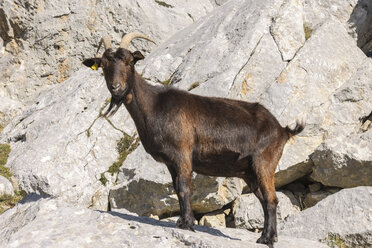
(298, 129)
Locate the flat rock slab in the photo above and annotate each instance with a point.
(52, 223)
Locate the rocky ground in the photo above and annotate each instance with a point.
(92, 184)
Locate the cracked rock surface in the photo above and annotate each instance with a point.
(43, 42)
(60, 146)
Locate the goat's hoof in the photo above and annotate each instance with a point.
(267, 241)
(276, 239)
(187, 225)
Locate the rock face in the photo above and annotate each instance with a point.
(249, 214)
(145, 187)
(348, 157)
(58, 35)
(300, 59)
(346, 215)
(36, 223)
(56, 154)
(5, 186)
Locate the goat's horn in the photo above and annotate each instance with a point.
(106, 42)
(125, 41)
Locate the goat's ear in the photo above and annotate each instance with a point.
(137, 55)
(93, 63)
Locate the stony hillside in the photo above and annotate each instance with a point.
(92, 184)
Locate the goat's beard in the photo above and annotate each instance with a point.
(115, 104)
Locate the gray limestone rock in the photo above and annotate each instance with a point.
(44, 42)
(248, 212)
(344, 162)
(214, 219)
(345, 158)
(60, 146)
(213, 50)
(346, 215)
(288, 29)
(5, 186)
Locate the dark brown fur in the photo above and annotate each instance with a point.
(211, 136)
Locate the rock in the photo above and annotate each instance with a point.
(36, 223)
(314, 197)
(316, 12)
(346, 215)
(301, 80)
(314, 187)
(9, 108)
(346, 160)
(296, 187)
(145, 187)
(58, 35)
(359, 23)
(288, 29)
(294, 197)
(60, 147)
(354, 14)
(5, 186)
(190, 56)
(249, 214)
(214, 219)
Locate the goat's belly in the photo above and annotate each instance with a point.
(222, 165)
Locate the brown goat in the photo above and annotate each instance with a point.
(208, 135)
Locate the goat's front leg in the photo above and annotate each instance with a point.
(181, 176)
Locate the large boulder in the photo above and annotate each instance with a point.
(344, 217)
(344, 162)
(145, 187)
(44, 42)
(345, 158)
(248, 212)
(47, 222)
(60, 146)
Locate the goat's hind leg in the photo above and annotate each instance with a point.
(265, 192)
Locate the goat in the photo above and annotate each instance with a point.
(187, 132)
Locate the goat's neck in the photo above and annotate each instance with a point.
(141, 102)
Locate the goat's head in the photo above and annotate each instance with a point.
(118, 68)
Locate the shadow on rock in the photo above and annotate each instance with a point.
(32, 197)
(150, 221)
